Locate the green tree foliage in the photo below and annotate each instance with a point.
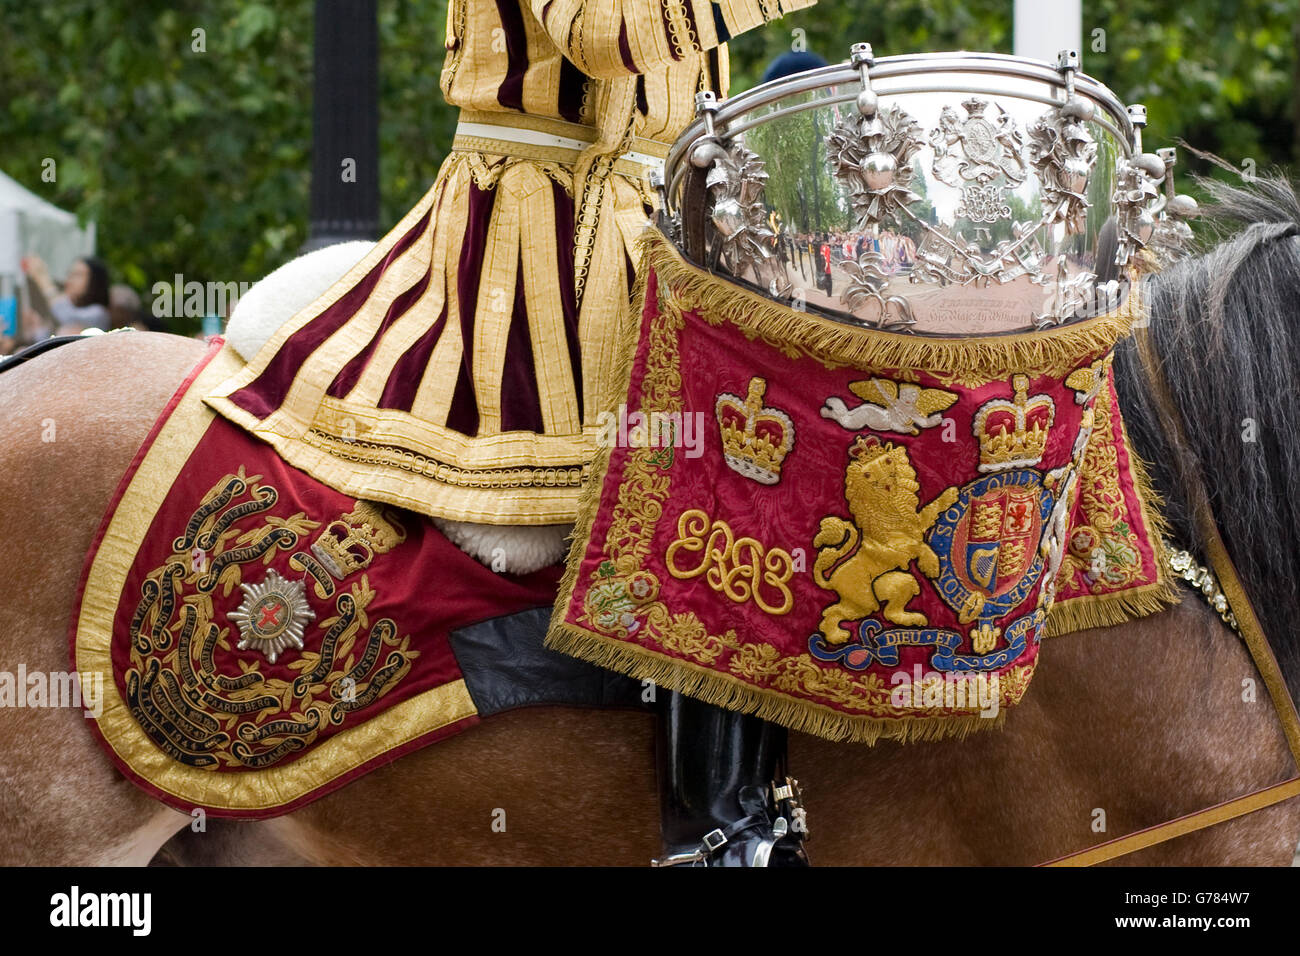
(199, 162)
(1221, 74)
(793, 145)
(192, 151)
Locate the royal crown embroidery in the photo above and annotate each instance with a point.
(755, 438)
(350, 543)
(1013, 434)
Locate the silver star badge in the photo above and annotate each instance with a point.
(272, 615)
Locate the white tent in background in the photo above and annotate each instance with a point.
(31, 226)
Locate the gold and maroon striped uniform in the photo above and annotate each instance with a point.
(460, 368)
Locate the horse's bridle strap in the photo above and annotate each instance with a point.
(1265, 662)
(1250, 629)
(1220, 813)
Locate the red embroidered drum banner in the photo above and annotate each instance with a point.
(850, 532)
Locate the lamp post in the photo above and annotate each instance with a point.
(345, 124)
(1045, 27)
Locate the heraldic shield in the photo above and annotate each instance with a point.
(847, 531)
(865, 464)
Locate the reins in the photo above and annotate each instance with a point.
(22, 356)
(1248, 627)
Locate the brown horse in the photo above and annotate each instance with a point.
(1124, 727)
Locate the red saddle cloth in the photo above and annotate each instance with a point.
(265, 639)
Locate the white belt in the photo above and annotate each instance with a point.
(475, 134)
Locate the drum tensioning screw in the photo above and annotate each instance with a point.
(861, 56)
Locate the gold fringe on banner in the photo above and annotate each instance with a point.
(722, 690)
(718, 300)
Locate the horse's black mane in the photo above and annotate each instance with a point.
(1225, 327)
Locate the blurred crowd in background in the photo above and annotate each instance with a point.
(85, 301)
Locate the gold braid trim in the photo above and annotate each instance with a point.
(575, 41)
(593, 168)
(681, 33)
(448, 474)
(687, 637)
(486, 168)
(454, 44)
(836, 344)
(1110, 610)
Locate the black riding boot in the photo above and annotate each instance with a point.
(724, 797)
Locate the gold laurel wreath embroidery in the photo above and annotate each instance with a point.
(1104, 510)
(217, 719)
(641, 495)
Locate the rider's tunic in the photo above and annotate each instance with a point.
(461, 368)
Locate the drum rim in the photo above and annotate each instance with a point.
(887, 67)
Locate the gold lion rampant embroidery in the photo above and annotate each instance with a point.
(865, 561)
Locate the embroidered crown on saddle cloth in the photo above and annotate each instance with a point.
(853, 533)
(265, 639)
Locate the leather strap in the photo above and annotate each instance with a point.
(40, 348)
(1219, 813)
(1265, 662)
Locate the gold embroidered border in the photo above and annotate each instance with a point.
(643, 488)
(245, 791)
(680, 32)
(454, 42)
(371, 453)
(1087, 611)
